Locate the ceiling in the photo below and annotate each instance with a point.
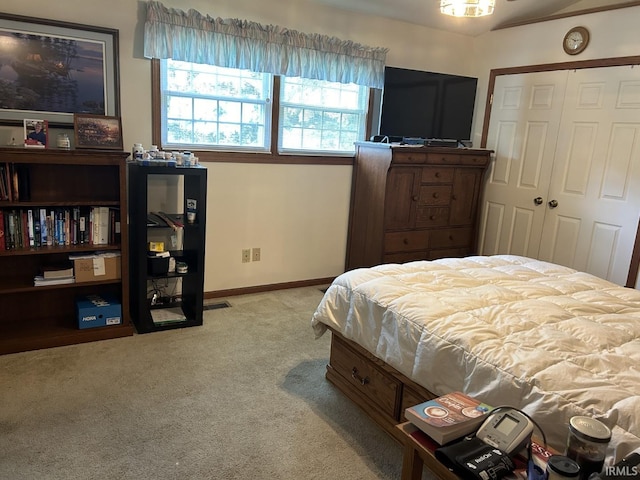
(427, 12)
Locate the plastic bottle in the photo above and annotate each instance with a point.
(63, 141)
(137, 152)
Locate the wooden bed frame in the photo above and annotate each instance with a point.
(379, 389)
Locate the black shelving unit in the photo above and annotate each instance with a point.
(187, 300)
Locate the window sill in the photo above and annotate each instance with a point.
(244, 157)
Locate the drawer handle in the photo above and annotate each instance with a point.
(436, 194)
(415, 198)
(358, 378)
(437, 174)
(405, 241)
(432, 217)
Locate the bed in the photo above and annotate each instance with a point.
(509, 330)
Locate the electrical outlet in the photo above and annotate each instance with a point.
(256, 255)
(246, 255)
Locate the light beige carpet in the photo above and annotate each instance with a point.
(242, 397)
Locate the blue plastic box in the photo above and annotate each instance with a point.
(98, 311)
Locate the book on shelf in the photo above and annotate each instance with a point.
(3, 245)
(30, 228)
(173, 221)
(42, 213)
(37, 227)
(164, 316)
(14, 182)
(57, 271)
(115, 236)
(4, 192)
(40, 281)
(100, 225)
(448, 417)
(154, 221)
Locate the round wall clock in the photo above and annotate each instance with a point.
(576, 40)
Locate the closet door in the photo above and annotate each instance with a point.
(596, 170)
(525, 117)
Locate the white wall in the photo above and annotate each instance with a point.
(613, 34)
(297, 214)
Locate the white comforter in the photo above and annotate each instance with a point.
(509, 330)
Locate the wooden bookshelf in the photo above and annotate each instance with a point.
(42, 317)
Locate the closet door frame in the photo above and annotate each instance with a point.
(573, 65)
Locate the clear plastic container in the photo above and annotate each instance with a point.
(560, 467)
(63, 141)
(587, 444)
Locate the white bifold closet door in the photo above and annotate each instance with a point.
(564, 185)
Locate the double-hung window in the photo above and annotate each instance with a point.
(204, 107)
(320, 116)
(209, 107)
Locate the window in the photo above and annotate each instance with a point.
(204, 107)
(321, 116)
(208, 107)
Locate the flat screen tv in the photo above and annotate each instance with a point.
(427, 105)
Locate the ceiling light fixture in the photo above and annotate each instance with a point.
(467, 8)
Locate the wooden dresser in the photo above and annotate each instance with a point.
(413, 203)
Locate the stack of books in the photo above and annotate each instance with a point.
(55, 275)
(449, 417)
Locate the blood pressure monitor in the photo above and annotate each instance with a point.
(507, 429)
(490, 453)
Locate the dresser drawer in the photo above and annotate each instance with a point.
(406, 241)
(404, 257)
(443, 159)
(378, 387)
(409, 157)
(453, 237)
(437, 175)
(432, 217)
(477, 160)
(435, 195)
(410, 398)
(437, 253)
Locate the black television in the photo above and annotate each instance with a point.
(427, 105)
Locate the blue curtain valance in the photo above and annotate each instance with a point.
(193, 37)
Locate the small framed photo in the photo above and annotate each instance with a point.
(36, 133)
(97, 131)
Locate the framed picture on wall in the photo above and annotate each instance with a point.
(97, 131)
(52, 70)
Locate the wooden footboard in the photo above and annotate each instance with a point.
(380, 390)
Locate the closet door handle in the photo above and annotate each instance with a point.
(553, 204)
(538, 200)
